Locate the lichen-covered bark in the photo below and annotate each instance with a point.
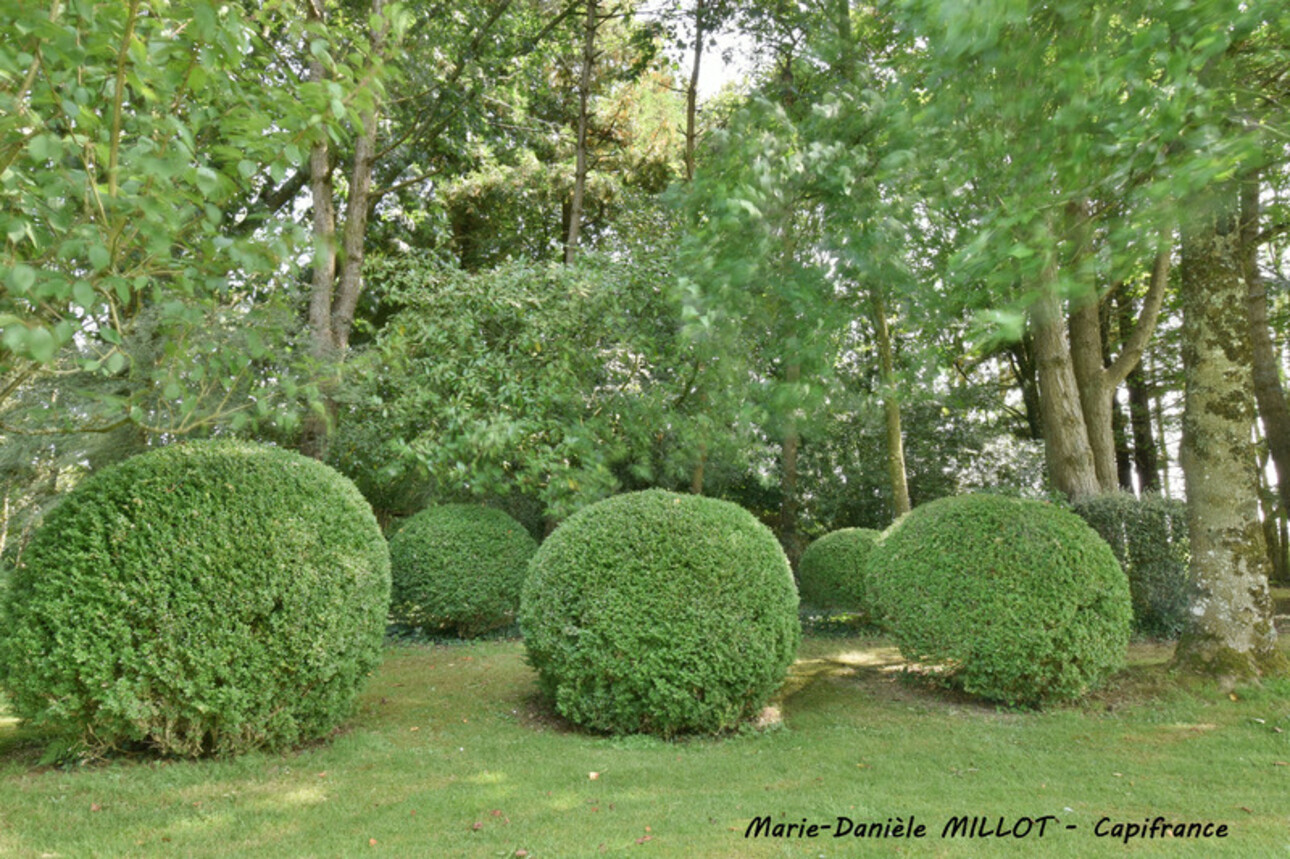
(1230, 631)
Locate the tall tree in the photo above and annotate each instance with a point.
(1230, 631)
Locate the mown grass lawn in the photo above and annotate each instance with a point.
(450, 754)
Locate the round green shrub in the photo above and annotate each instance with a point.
(660, 613)
(458, 567)
(210, 597)
(1148, 536)
(1015, 600)
(832, 572)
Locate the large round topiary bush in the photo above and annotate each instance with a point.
(833, 570)
(660, 613)
(1017, 601)
(459, 568)
(211, 597)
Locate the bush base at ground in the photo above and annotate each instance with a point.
(660, 613)
(1014, 600)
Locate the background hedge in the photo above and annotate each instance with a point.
(654, 612)
(210, 597)
(1018, 601)
(834, 569)
(458, 568)
(1148, 536)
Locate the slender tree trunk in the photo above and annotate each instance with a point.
(1123, 455)
(789, 503)
(692, 90)
(1268, 392)
(1230, 632)
(313, 438)
(335, 288)
(1164, 441)
(584, 98)
(891, 408)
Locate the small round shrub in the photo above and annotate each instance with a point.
(458, 568)
(832, 572)
(660, 613)
(1148, 536)
(211, 597)
(1017, 601)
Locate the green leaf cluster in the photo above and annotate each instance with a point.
(1013, 600)
(660, 613)
(1149, 538)
(832, 572)
(211, 597)
(459, 568)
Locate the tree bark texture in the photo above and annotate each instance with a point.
(789, 505)
(692, 89)
(1098, 380)
(337, 281)
(1066, 444)
(1268, 393)
(590, 25)
(891, 410)
(1230, 632)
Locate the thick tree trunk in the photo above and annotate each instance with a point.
(1098, 381)
(584, 98)
(1230, 632)
(891, 409)
(1066, 445)
(1094, 398)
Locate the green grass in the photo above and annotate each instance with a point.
(450, 754)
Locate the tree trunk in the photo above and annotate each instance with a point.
(1123, 455)
(788, 505)
(1268, 393)
(584, 98)
(1230, 632)
(1094, 398)
(1066, 445)
(692, 90)
(1098, 382)
(333, 300)
(891, 408)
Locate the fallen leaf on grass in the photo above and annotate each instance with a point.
(95, 807)
(371, 842)
(521, 853)
(477, 825)
(593, 776)
(644, 838)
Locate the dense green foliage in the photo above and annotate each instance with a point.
(1017, 601)
(458, 567)
(833, 570)
(211, 597)
(654, 612)
(1149, 538)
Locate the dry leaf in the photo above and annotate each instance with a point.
(95, 807)
(371, 842)
(593, 776)
(477, 825)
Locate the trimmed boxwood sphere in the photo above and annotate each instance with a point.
(458, 567)
(833, 569)
(210, 597)
(1019, 601)
(660, 613)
